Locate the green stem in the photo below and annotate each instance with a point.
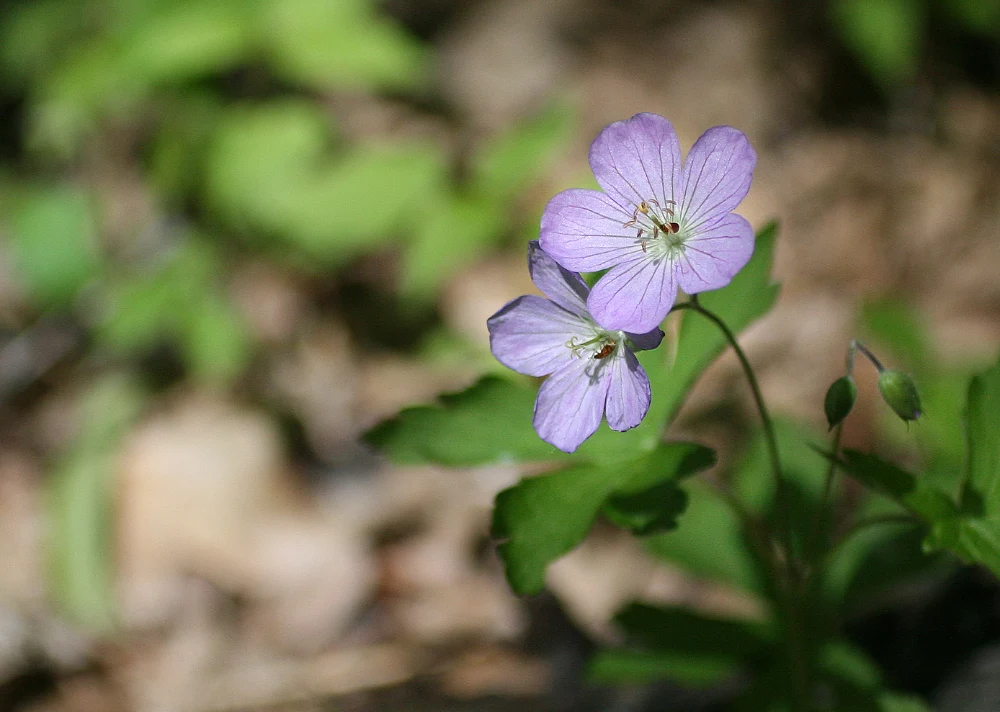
(769, 433)
(817, 525)
(783, 565)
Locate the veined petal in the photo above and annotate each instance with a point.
(628, 392)
(716, 176)
(637, 159)
(712, 257)
(530, 335)
(570, 403)
(634, 296)
(565, 288)
(584, 230)
(647, 341)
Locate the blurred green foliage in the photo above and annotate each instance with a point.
(219, 111)
(889, 37)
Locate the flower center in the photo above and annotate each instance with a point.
(656, 230)
(600, 347)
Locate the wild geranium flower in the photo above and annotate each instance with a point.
(657, 225)
(592, 370)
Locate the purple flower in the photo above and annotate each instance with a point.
(592, 371)
(657, 225)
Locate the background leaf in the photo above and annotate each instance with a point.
(54, 244)
(982, 485)
(80, 502)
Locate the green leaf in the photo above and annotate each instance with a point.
(802, 464)
(543, 517)
(648, 512)
(680, 645)
(80, 500)
(872, 471)
(187, 40)
(974, 540)
(54, 244)
(633, 667)
(897, 702)
(685, 631)
(451, 236)
(518, 157)
(488, 422)
(342, 45)
(267, 172)
(982, 484)
(748, 297)
(710, 544)
(217, 342)
(886, 35)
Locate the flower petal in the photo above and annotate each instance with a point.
(716, 176)
(634, 296)
(530, 335)
(711, 258)
(628, 393)
(570, 403)
(645, 342)
(565, 288)
(585, 230)
(637, 159)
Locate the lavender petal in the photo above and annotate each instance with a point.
(634, 296)
(645, 342)
(637, 159)
(628, 393)
(712, 257)
(584, 230)
(565, 288)
(530, 335)
(716, 176)
(570, 403)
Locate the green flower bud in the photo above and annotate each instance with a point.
(839, 400)
(900, 393)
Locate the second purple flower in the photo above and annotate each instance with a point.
(657, 226)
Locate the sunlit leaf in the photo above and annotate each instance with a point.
(342, 44)
(268, 172)
(187, 40)
(518, 156)
(452, 234)
(216, 343)
(55, 245)
(543, 517)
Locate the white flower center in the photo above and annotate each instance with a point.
(599, 347)
(657, 231)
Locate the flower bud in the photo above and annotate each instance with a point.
(839, 400)
(900, 393)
